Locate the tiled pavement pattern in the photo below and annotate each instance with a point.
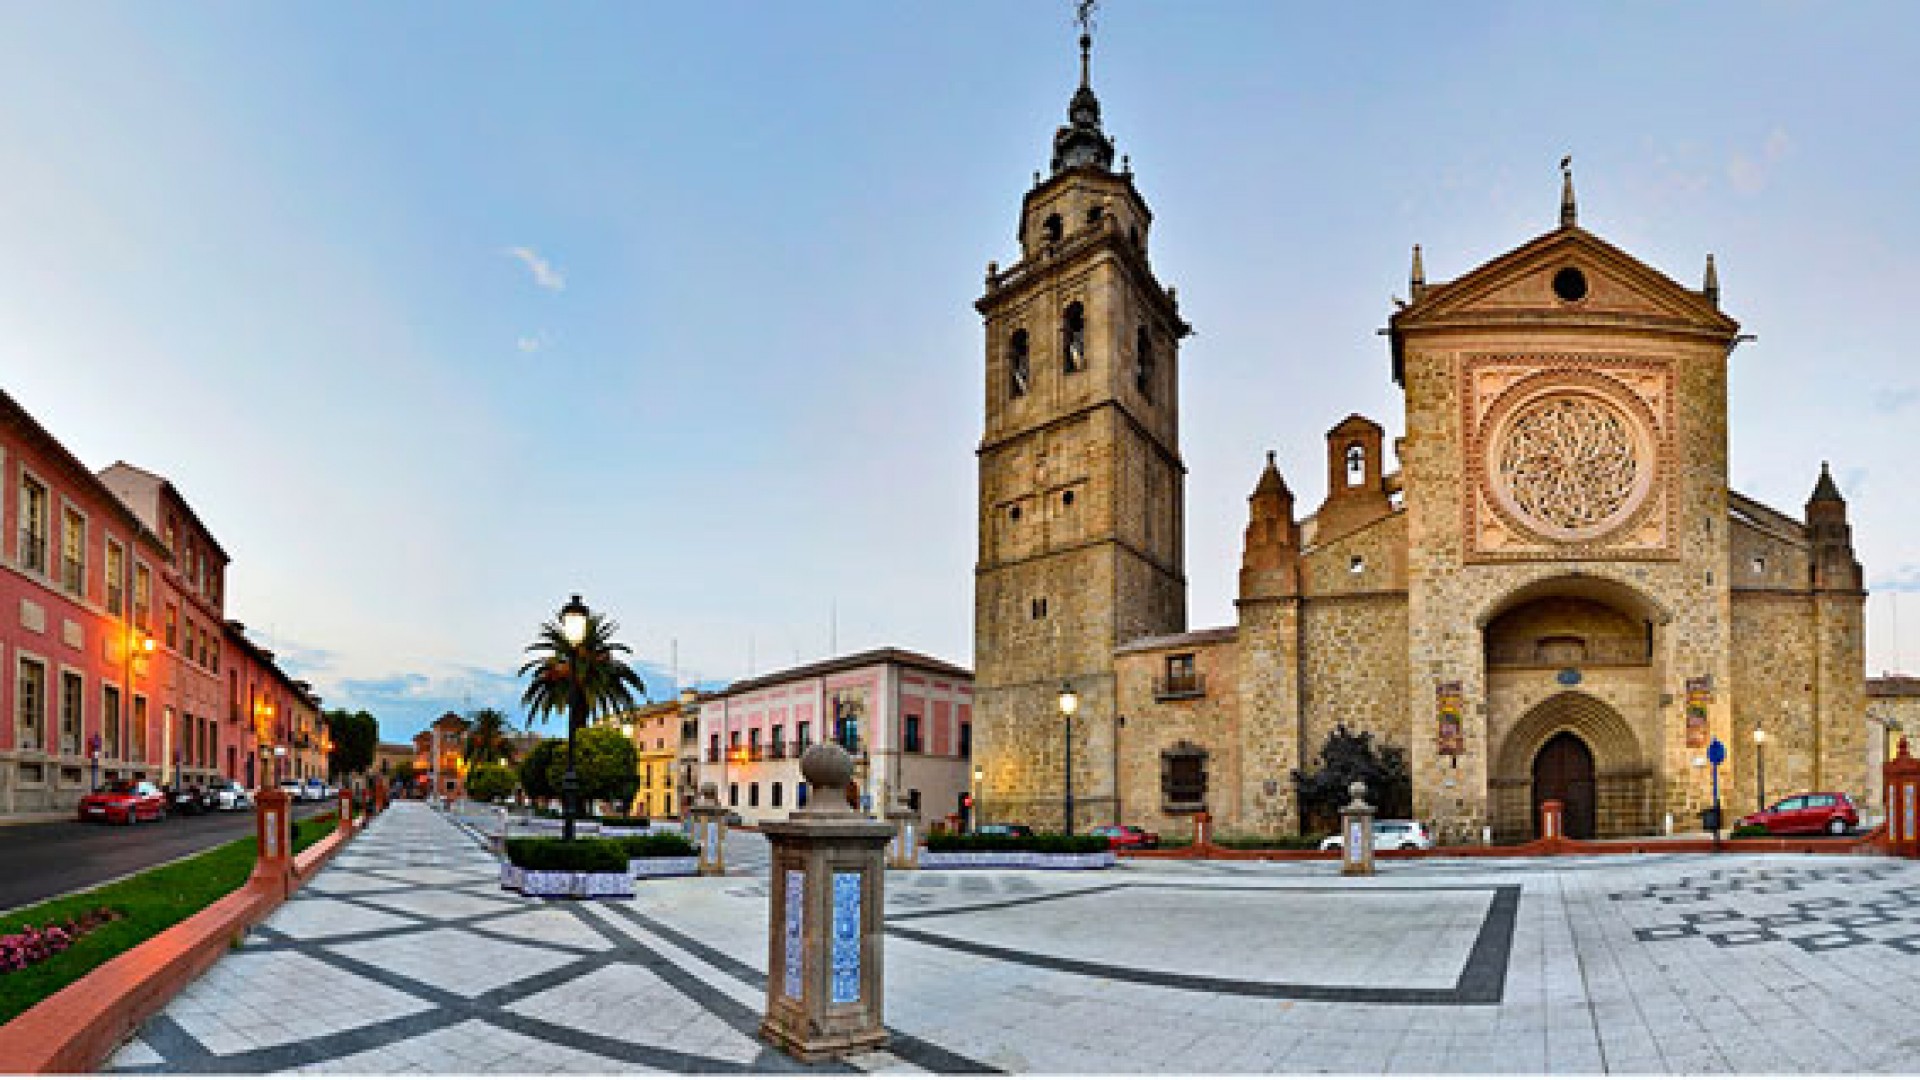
(404, 956)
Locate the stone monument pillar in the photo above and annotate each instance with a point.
(1902, 779)
(826, 926)
(1356, 831)
(344, 810)
(710, 831)
(273, 841)
(903, 851)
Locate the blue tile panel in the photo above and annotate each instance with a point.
(846, 937)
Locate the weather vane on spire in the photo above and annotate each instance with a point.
(1083, 14)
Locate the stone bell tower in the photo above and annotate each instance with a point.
(1081, 528)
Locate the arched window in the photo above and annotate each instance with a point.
(1356, 465)
(1019, 367)
(1052, 228)
(1143, 363)
(1073, 338)
(1093, 215)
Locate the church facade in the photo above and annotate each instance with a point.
(1554, 595)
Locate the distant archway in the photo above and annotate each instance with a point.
(1608, 772)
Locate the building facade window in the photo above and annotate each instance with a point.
(1183, 778)
(910, 738)
(142, 596)
(137, 730)
(913, 799)
(33, 525)
(1356, 466)
(753, 794)
(1073, 339)
(1143, 363)
(73, 552)
(32, 701)
(774, 795)
(966, 740)
(73, 689)
(733, 794)
(802, 736)
(110, 722)
(1019, 364)
(800, 794)
(172, 629)
(116, 578)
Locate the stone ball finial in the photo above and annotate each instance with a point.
(1358, 789)
(827, 767)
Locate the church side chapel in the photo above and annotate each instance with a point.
(1554, 596)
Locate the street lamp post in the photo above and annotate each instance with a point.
(973, 818)
(573, 625)
(1760, 767)
(1069, 704)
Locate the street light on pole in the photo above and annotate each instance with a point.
(573, 626)
(1069, 704)
(1760, 766)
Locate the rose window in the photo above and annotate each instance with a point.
(1570, 464)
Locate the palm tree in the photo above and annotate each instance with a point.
(558, 667)
(487, 739)
(580, 681)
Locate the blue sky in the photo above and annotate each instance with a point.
(439, 312)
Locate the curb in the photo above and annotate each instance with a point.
(80, 1027)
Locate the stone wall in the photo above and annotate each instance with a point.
(1155, 723)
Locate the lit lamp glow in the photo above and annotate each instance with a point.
(1069, 704)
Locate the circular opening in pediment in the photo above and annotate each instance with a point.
(1570, 285)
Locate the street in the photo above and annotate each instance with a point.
(54, 858)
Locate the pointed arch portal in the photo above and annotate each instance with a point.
(1575, 748)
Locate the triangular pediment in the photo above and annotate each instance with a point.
(1568, 276)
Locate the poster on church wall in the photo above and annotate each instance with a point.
(1452, 734)
(1699, 696)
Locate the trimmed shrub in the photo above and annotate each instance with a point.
(485, 783)
(1268, 843)
(1740, 831)
(619, 822)
(1040, 843)
(656, 846)
(577, 857)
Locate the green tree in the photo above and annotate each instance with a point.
(485, 783)
(1347, 756)
(355, 737)
(533, 770)
(557, 668)
(487, 736)
(606, 763)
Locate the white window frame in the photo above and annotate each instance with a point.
(20, 525)
(67, 506)
(80, 711)
(107, 582)
(21, 721)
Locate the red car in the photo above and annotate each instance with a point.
(1121, 837)
(124, 801)
(1826, 811)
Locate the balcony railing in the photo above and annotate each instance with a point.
(1175, 687)
(777, 751)
(713, 754)
(755, 752)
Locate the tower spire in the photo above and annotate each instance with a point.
(1569, 212)
(1710, 288)
(1081, 141)
(1417, 278)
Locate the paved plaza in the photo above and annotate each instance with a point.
(404, 956)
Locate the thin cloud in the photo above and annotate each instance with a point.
(1904, 580)
(533, 343)
(1892, 401)
(1749, 172)
(543, 271)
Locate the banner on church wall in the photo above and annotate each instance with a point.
(1452, 732)
(1699, 696)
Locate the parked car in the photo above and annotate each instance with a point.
(187, 799)
(228, 795)
(1004, 829)
(294, 790)
(1811, 812)
(316, 790)
(1389, 834)
(1126, 837)
(125, 801)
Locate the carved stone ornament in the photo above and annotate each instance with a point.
(1569, 465)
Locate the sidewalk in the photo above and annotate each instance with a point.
(404, 956)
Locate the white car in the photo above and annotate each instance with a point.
(1390, 834)
(294, 790)
(229, 795)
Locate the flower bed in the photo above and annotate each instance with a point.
(36, 943)
(565, 883)
(1025, 860)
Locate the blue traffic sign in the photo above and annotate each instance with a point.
(1717, 752)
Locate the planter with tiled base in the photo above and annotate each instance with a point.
(669, 866)
(564, 883)
(1024, 860)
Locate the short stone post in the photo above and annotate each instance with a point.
(710, 831)
(1553, 820)
(827, 925)
(273, 842)
(1202, 830)
(903, 851)
(1356, 828)
(1902, 778)
(345, 812)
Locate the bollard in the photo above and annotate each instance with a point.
(710, 831)
(1356, 826)
(826, 923)
(1553, 818)
(273, 842)
(1202, 829)
(903, 851)
(344, 810)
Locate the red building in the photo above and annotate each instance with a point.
(103, 676)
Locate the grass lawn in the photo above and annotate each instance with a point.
(148, 903)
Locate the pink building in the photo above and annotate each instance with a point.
(85, 584)
(906, 718)
(273, 718)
